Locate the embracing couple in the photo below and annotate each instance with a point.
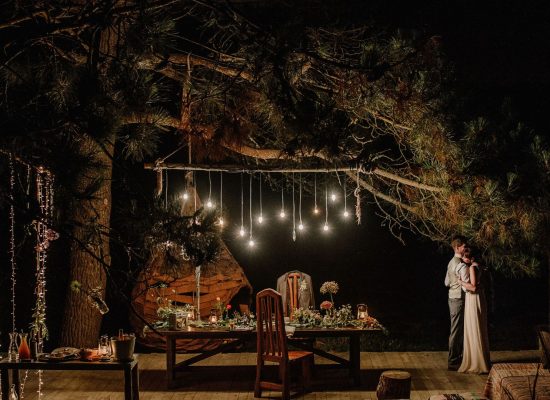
(468, 340)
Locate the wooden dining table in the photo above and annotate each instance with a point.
(236, 337)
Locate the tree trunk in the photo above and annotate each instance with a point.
(91, 217)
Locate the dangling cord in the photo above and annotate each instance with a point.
(221, 199)
(345, 199)
(28, 191)
(261, 217)
(195, 191)
(209, 202)
(315, 209)
(293, 211)
(326, 206)
(241, 232)
(166, 191)
(251, 241)
(282, 214)
(12, 242)
(301, 225)
(357, 194)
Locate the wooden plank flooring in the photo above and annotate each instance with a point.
(428, 370)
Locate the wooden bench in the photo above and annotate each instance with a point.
(131, 372)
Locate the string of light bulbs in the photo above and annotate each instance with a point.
(250, 238)
(300, 225)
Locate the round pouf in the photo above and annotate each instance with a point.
(394, 385)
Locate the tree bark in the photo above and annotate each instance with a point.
(91, 217)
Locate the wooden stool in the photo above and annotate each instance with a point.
(394, 385)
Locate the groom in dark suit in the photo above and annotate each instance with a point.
(456, 269)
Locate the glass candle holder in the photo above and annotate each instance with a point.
(213, 319)
(362, 312)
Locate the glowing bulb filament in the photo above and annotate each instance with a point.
(301, 226)
(251, 243)
(333, 197)
(325, 227)
(346, 213)
(185, 196)
(282, 214)
(221, 221)
(209, 204)
(260, 219)
(241, 232)
(315, 210)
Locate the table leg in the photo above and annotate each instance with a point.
(355, 359)
(170, 361)
(15, 380)
(5, 384)
(135, 382)
(127, 383)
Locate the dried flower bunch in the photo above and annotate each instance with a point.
(330, 287)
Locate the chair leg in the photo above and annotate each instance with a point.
(257, 388)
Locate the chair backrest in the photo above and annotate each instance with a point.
(293, 288)
(544, 338)
(270, 328)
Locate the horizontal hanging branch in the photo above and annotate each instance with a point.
(239, 168)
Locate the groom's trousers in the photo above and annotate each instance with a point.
(456, 337)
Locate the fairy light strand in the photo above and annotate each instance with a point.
(261, 217)
(293, 211)
(12, 242)
(357, 194)
(250, 240)
(315, 208)
(241, 232)
(209, 201)
(282, 214)
(346, 214)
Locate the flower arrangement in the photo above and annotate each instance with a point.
(330, 287)
(307, 317)
(326, 305)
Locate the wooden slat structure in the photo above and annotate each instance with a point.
(224, 279)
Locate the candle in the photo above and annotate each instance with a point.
(213, 319)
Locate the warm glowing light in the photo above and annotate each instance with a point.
(282, 214)
(346, 214)
(301, 226)
(315, 210)
(185, 196)
(221, 221)
(333, 197)
(209, 204)
(241, 232)
(325, 227)
(260, 219)
(251, 243)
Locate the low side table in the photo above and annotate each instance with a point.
(130, 368)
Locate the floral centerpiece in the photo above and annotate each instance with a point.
(330, 287)
(307, 317)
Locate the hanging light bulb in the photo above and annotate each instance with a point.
(185, 196)
(316, 210)
(282, 214)
(209, 204)
(251, 243)
(260, 219)
(241, 231)
(333, 197)
(221, 221)
(301, 226)
(325, 227)
(346, 214)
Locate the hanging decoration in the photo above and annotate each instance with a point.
(194, 192)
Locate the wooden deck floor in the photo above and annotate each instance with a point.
(428, 370)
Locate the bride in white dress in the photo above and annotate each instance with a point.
(476, 357)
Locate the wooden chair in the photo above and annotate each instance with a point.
(293, 290)
(272, 346)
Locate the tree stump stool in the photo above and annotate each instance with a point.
(394, 385)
